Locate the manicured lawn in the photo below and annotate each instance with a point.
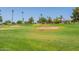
(28, 37)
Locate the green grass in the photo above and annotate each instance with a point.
(28, 38)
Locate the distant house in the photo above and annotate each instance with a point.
(62, 20)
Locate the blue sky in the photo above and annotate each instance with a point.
(35, 12)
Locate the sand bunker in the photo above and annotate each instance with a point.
(10, 27)
(48, 28)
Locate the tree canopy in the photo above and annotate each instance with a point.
(75, 14)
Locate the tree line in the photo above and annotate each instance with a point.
(43, 20)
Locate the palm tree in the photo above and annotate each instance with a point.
(0, 12)
(12, 14)
(41, 14)
(1, 18)
(22, 15)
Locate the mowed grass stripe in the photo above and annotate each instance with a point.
(27, 37)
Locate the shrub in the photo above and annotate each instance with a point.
(42, 20)
(19, 22)
(7, 22)
(31, 20)
(49, 21)
(13, 23)
(67, 22)
(57, 21)
(26, 22)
